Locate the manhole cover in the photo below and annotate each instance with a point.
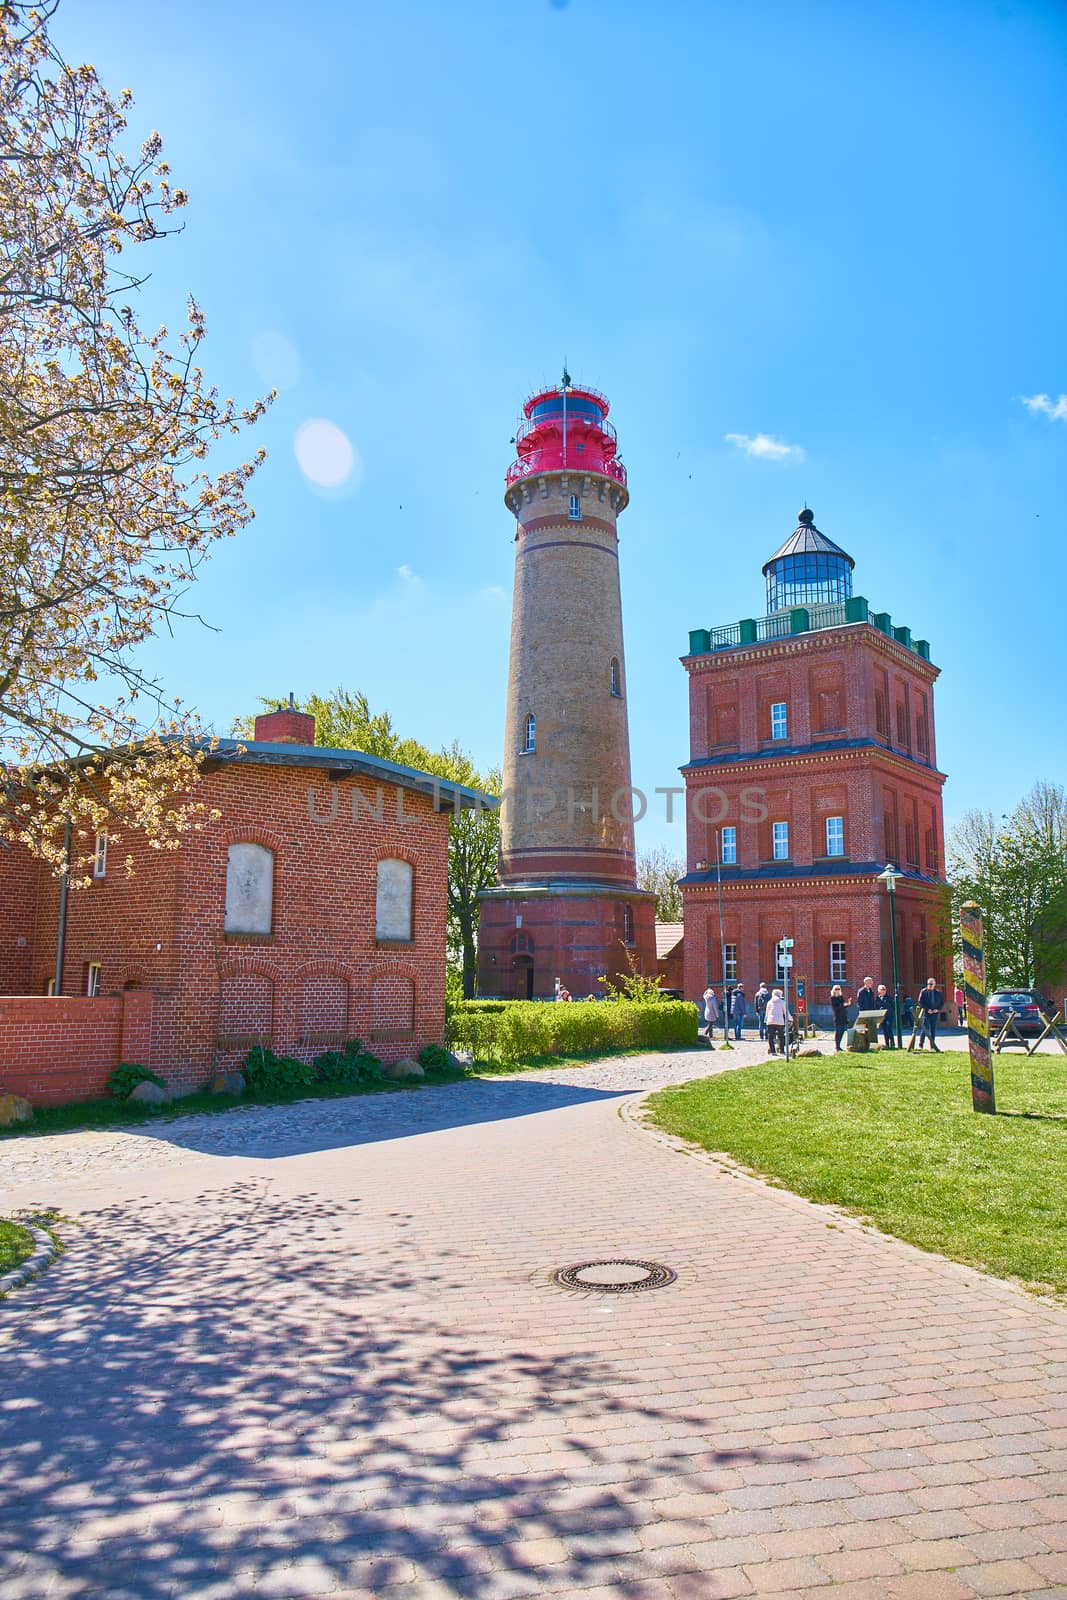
(614, 1277)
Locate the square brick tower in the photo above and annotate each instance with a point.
(812, 766)
(567, 906)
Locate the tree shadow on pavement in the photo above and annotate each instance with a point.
(227, 1399)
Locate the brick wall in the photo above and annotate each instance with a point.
(56, 1050)
(318, 974)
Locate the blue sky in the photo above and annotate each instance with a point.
(839, 226)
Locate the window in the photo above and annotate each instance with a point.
(392, 911)
(529, 735)
(729, 847)
(932, 861)
(249, 890)
(922, 730)
(627, 924)
(835, 836)
(100, 856)
(779, 720)
(730, 959)
(92, 979)
(780, 837)
(837, 961)
(616, 679)
(575, 512)
(903, 730)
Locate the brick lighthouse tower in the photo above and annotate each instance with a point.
(567, 906)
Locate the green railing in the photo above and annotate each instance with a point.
(802, 619)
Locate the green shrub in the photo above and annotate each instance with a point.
(521, 1029)
(484, 1005)
(125, 1078)
(268, 1074)
(353, 1063)
(434, 1058)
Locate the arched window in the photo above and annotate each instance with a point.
(249, 889)
(627, 924)
(392, 914)
(616, 678)
(529, 734)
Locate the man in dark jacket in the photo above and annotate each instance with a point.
(884, 1000)
(866, 999)
(930, 1003)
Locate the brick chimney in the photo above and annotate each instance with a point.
(285, 725)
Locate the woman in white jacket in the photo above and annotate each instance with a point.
(711, 1011)
(777, 1017)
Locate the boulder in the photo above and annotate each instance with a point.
(13, 1108)
(809, 1051)
(229, 1083)
(407, 1067)
(150, 1094)
(462, 1058)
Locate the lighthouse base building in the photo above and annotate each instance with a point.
(812, 766)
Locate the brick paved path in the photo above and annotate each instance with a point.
(315, 1351)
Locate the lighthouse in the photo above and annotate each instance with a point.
(567, 908)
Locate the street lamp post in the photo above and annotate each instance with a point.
(890, 878)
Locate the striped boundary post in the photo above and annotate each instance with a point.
(983, 1092)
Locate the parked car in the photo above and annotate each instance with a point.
(1023, 1002)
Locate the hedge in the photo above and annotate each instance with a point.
(548, 1028)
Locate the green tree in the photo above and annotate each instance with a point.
(658, 871)
(1016, 871)
(344, 721)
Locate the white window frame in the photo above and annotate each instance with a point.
(100, 856)
(529, 736)
(835, 836)
(779, 841)
(92, 980)
(574, 513)
(779, 719)
(728, 846)
(838, 963)
(729, 961)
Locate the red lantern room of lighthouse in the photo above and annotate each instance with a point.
(567, 909)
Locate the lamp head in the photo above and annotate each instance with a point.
(890, 877)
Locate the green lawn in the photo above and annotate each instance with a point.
(16, 1246)
(894, 1140)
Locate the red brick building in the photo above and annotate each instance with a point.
(812, 765)
(313, 911)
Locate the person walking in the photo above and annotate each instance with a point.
(759, 1000)
(777, 1018)
(889, 1017)
(737, 1009)
(840, 1006)
(711, 1011)
(931, 1001)
(960, 1001)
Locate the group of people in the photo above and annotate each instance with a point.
(771, 1014)
(773, 1019)
(929, 1005)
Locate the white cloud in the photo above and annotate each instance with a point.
(494, 595)
(405, 572)
(1041, 404)
(765, 447)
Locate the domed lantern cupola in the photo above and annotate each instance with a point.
(808, 570)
